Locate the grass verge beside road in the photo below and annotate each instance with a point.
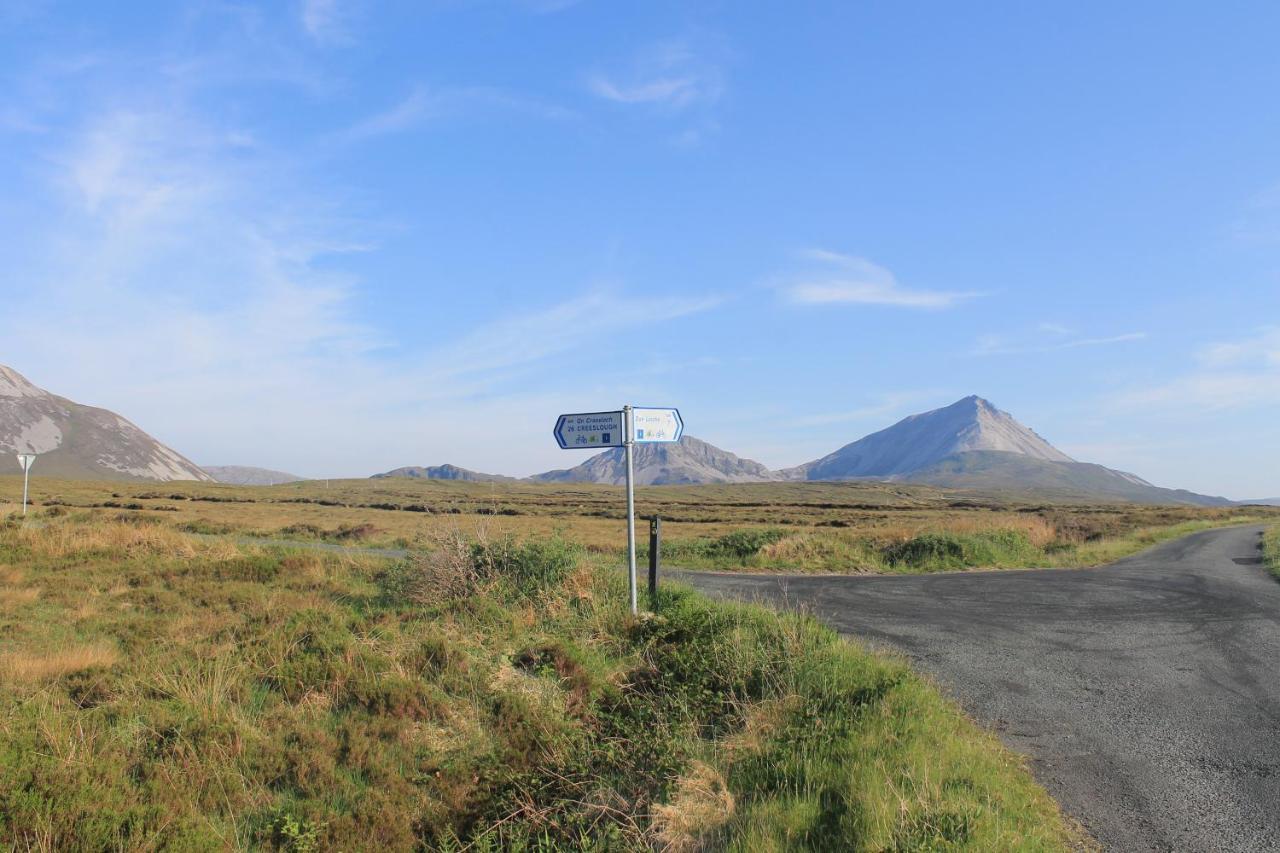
(1271, 550)
(159, 690)
(973, 544)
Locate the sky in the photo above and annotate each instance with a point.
(337, 236)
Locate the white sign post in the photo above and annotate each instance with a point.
(26, 460)
(592, 430)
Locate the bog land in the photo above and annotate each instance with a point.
(855, 527)
(177, 673)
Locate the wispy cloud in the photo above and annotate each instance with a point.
(486, 354)
(671, 76)
(325, 21)
(177, 271)
(1048, 337)
(846, 279)
(426, 104)
(1238, 374)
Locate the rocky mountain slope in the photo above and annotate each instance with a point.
(444, 472)
(689, 460)
(973, 445)
(247, 475)
(80, 442)
(919, 441)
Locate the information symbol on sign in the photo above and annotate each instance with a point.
(640, 434)
(605, 438)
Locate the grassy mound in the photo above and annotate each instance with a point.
(159, 690)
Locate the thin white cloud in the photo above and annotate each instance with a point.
(1240, 374)
(670, 75)
(1048, 338)
(846, 279)
(488, 352)
(423, 105)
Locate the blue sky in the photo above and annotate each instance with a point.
(337, 236)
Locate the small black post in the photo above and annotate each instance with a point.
(655, 549)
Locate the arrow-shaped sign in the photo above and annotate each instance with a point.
(656, 425)
(590, 430)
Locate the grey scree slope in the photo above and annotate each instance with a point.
(1146, 693)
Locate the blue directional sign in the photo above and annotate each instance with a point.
(590, 431)
(656, 425)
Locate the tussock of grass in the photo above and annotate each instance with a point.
(489, 695)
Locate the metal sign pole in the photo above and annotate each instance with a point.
(629, 437)
(26, 460)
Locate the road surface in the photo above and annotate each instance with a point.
(1146, 693)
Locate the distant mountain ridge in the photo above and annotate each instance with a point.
(443, 472)
(247, 475)
(81, 442)
(969, 444)
(688, 461)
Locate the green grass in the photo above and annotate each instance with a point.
(1271, 550)
(159, 690)
(938, 550)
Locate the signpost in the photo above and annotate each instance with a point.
(594, 430)
(26, 460)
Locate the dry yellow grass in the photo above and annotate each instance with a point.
(700, 805)
(10, 597)
(64, 540)
(36, 666)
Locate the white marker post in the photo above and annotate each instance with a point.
(595, 430)
(26, 460)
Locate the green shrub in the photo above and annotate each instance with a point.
(949, 551)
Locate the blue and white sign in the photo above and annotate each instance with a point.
(657, 425)
(590, 431)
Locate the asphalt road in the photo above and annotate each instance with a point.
(1146, 693)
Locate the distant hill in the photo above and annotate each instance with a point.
(444, 472)
(1261, 502)
(80, 442)
(973, 445)
(687, 461)
(247, 475)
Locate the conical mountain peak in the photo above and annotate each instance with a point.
(918, 441)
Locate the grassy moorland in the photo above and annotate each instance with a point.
(162, 691)
(817, 527)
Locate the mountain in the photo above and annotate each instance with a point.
(919, 441)
(444, 472)
(973, 445)
(247, 475)
(1261, 502)
(80, 442)
(687, 461)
